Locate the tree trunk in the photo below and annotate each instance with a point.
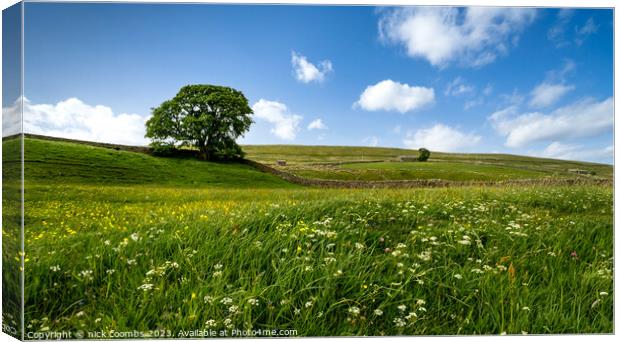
(204, 154)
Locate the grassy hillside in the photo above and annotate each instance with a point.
(53, 161)
(128, 242)
(376, 163)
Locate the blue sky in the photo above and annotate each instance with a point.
(522, 81)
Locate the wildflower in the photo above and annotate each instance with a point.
(458, 276)
(297, 311)
(110, 271)
(309, 304)
(79, 314)
(233, 309)
(378, 312)
(359, 245)
(477, 270)
(226, 300)
(55, 268)
(146, 287)
(420, 302)
(217, 274)
(87, 274)
(354, 310)
(402, 307)
(253, 301)
(208, 299)
(218, 266)
(399, 322)
(603, 293)
(131, 262)
(210, 323)
(525, 308)
(338, 273)
(135, 236)
(193, 295)
(411, 316)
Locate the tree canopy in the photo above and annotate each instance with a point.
(207, 117)
(423, 154)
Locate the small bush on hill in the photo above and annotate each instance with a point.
(423, 154)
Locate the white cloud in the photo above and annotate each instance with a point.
(559, 150)
(546, 94)
(317, 124)
(371, 141)
(12, 118)
(472, 36)
(285, 124)
(307, 72)
(396, 129)
(441, 138)
(557, 33)
(584, 31)
(394, 96)
(458, 87)
(581, 119)
(74, 119)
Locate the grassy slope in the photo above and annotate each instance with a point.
(330, 162)
(102, 229)
(52, 161)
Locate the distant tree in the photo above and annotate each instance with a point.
(207, 117)
(423, 154)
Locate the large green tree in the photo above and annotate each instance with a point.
(207, 117)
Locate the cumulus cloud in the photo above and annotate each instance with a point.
(307, 72)
(441, 138)
(472, 36)
(559, 150)
(317, 124)
(12, 118)
(285, 124)
(546, 94)
(584, 118)
(458, 86)
(74, 119)
(554, 87)
(394, 96)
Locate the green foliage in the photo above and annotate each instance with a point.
(423, 154)
(163, 149)
(207, 117)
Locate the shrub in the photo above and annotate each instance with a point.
(423, 154)
(163, 149)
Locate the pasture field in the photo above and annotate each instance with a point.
(378, 164)
(129, 242)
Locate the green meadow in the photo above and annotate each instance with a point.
(122, 241)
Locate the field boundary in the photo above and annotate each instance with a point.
(419, 183)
